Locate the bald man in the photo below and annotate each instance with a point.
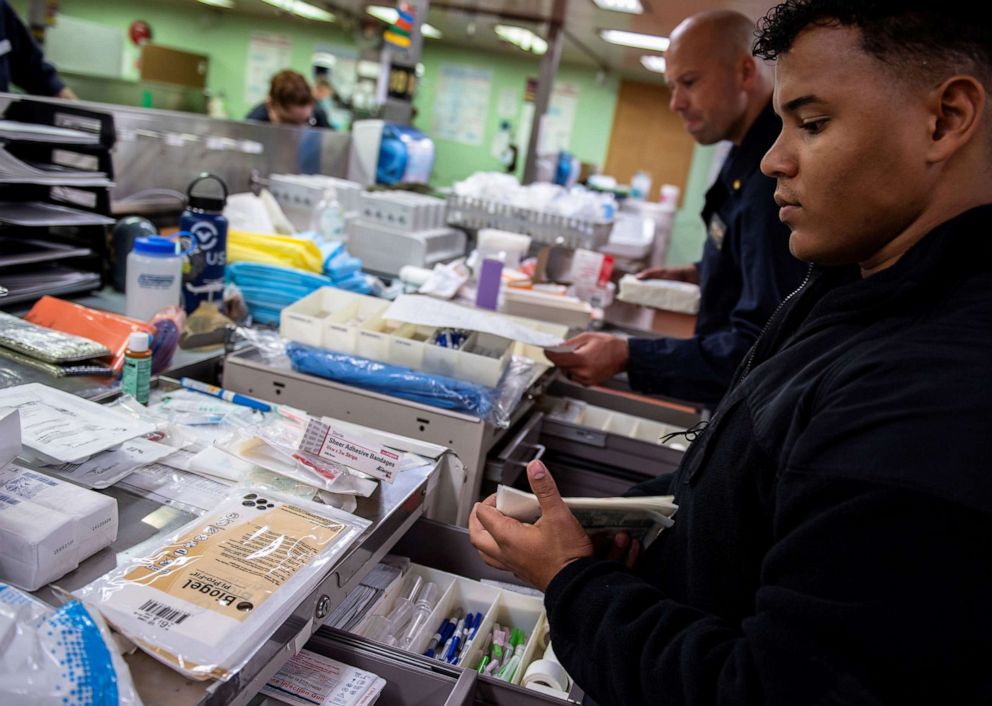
(721, 92)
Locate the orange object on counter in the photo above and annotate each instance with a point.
(112, 330)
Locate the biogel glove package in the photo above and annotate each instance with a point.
(207, 598)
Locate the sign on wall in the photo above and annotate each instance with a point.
(268, 54)
(462, 104)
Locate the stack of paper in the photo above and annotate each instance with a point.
(34, 132)
(643, 518)
(39, 214)
(16, 171)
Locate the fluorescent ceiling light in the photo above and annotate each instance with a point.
(522, 38)
(430, 31)
(226, 4)
(633, 39)
(634, 7)
(302, 9)
(389, 15)
(652, 62)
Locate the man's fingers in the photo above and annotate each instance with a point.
(501, 528)
(633, 554)
(545, 488)
(618, 548)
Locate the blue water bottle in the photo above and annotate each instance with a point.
(203, 275)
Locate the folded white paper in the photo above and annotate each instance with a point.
(681, 297)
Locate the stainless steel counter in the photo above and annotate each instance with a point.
(144, 524)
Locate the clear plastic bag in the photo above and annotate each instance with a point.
(39, 642)
(207, 598)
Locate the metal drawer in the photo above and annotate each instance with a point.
(414, 679)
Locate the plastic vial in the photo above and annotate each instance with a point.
(137, 378)
(421, 612)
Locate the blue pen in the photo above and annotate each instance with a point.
(235, 397)
(446, 652)
(472, 621)
(453, 650)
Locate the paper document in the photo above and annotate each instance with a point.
(427, 311)
(310, 679)
(642, 518)
(65, 427)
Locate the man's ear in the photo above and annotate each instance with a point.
(747, 70)
(957, 111)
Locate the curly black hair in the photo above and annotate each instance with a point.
(912, 35)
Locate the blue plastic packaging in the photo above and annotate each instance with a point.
(203, 275)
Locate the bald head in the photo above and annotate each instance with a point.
(724, 32)
(718, 87)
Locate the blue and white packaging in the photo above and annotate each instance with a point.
(52, 657)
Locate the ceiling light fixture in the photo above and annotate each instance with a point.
(302, 9)
(226, 4)
(653, 62)
(522, 38)
(632, 7)
(389, 15)
(632, 39)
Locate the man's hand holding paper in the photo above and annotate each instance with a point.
(533, 552)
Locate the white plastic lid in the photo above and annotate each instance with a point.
(137, 342)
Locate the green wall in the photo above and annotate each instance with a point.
(593, 115)
(688, 231)
(224, 37)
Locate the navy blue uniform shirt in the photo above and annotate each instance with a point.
(318, 119)
(21, 61)
(745, 272)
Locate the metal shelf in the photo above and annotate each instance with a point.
(543, 227)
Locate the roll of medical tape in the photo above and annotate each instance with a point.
(546, 673)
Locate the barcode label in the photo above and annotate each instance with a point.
(164, 612)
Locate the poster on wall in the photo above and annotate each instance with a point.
(268, 54)
(557, 123)
(462, 104)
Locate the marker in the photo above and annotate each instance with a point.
(436, 640)
(234, 397)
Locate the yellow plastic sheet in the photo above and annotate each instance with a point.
(270, 249)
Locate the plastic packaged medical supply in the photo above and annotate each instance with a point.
(111, 330)
(64, 657)
(309, 678)
(95, 513)
(38, 544)
(46, 344)
(209, 596)
(426, 388)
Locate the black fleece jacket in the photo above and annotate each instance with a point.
(834, 539)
